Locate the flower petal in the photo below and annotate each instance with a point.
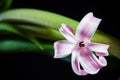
(100, 49)
(62, 48)
(66, 31)
(90, 62)
(87, 27)
(103, 60)
(76, 64)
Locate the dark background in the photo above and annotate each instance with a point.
(33, 65)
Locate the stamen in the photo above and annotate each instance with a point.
(81, 44)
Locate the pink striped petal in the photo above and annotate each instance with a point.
(76, 64)
(90, 62)
(62, 48)
(66, 31)
(100, 49)
(87, 27)
(103, 60)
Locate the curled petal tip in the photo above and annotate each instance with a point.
(103, 61)
(63, 24)
(107, 46)
(66, 31)
(90, 13)
(55, 56)
(67, 26)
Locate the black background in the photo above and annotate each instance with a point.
(33, 65)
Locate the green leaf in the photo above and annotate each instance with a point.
(34, 40)
(38, 17)
(5, 46)
(7, 27)
(41, 32)
(22, 45)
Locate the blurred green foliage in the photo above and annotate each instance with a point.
(5, 5)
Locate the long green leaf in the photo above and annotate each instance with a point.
(39, 17)
(20, 45)
(12, 29)
(7, 27)
(5, 46)
(41, 32)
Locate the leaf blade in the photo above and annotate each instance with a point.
(12, 29)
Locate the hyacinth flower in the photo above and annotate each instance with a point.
(42, 30)
(83, 60)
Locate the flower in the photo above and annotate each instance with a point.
(87, 57)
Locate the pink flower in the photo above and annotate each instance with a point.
(83, 60)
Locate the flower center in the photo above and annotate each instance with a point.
(81, 44)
